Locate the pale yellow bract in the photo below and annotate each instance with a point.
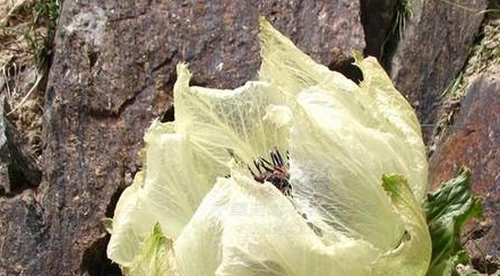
(183, 216)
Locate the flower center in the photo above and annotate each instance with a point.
(274, 171)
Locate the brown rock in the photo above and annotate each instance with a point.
(326, 30)
(433, 50)
(113, 73)
(474, 141)
(21, 233)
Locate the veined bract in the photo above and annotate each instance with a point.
(357, 168)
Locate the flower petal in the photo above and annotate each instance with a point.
(247, 228)
(397, 117)
(337, 161)
(290, 70)
(352, 135)
(375, 103)
(223, 124)
(167, 191)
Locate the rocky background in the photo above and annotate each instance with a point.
(82, 79)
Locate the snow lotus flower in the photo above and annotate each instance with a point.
(302, 172)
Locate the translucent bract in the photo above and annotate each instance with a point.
(357, 167)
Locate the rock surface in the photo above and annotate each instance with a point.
(5, 186)
(433, 50)
(326, 30)
(21, 232)
(377, 17)
(474, 141)
(18, 170)
(113, 72)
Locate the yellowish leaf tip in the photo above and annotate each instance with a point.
(183, 75)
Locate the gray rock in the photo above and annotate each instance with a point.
(21, 234)
(18, 170)
(433, 50)
(4, 151)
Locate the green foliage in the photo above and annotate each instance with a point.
(45, 12)
(35, 21)
(448, 209)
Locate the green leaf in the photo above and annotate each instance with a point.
(447, 210)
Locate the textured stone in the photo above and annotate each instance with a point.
(474, 141)
(18, 170)
(433, 50)
(113, 72)
(4, 151)
(21, 233)
(326, 30)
